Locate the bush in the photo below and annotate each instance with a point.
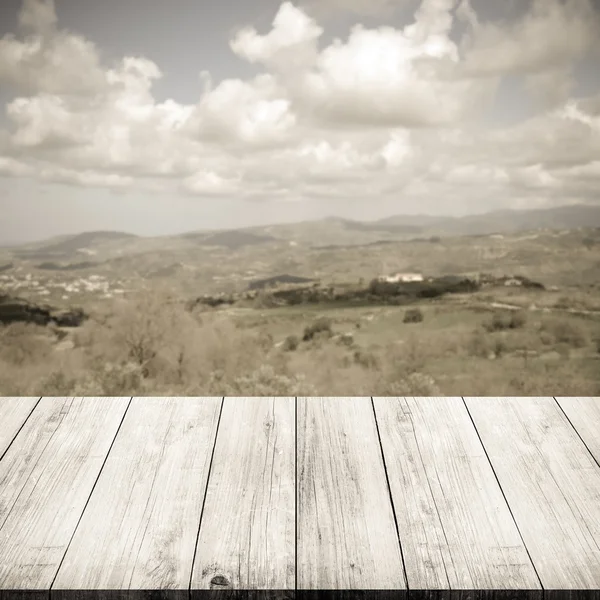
(23, 343)
(413, 315)
(291, 343)
(366, 359)
(265, 381)
(346, 339)
(322, 325)
(498, 322)
(517, 320)
(565, 332)
(413, 384)
(499, 348)
(504, 321)
(478, 345)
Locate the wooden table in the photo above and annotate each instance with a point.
(419, 497)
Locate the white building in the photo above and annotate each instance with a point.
(403, 277)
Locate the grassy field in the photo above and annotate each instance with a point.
(148, 345)
(141, 340)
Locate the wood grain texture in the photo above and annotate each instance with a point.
(247, 534)
(584, 415)
(46, 478)
(552, 485)
(455, 527)
(140, 527)
(347, 537)
(13, 413)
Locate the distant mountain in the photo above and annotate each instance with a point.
(233, 240)
(329, 232)
(415, 221)
(68, 245)
(390, 226)
(512, 221)
(504, 221)
(335, 231)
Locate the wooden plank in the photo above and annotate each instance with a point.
(140, 527)
(455, 527)
(46, 478)
(552, 485)
(13, 413)
(347, 538)
(247, 534)
(584, 414)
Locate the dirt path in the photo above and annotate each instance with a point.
(546, 309)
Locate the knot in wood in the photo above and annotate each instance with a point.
(219, 581)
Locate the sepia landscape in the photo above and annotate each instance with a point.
(332, 198)
(493, 305)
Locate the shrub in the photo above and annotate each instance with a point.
(23, 343)
(565, 332)
(504, 321)
(499, 348)
(478, 345)
(291, 343)
(346, 339)
(413, 315)
(322, 325)
(265, 381)
(367, 360)
(496, 323)
(413, 384)
(517, 320)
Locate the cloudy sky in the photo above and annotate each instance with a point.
(158, 117)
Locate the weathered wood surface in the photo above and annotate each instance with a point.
(584, 415)
(552, 485)
(140, 527)
(13, 414)
(46, 478)
(435, 497)
(454, 524)
(347, 538)
(247, 536)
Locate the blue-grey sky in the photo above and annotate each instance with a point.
(156, 118)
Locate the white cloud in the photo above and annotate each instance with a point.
(553, 33)
(14, 168)
(291, 43)
(470, 174)
(533, 177)
(397, 150)
(256, 113)
(48, 60)
(43, 120)
(122, 127)
(84, 178)
(209, 183)
(551, 88)
(375, 78)
(384, 113)
(38, 15)
(385, 76)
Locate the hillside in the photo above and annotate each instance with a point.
(66, 246)
(337, 231)
(330, 231)
(233, 240)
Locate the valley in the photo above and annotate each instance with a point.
(507, 312)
